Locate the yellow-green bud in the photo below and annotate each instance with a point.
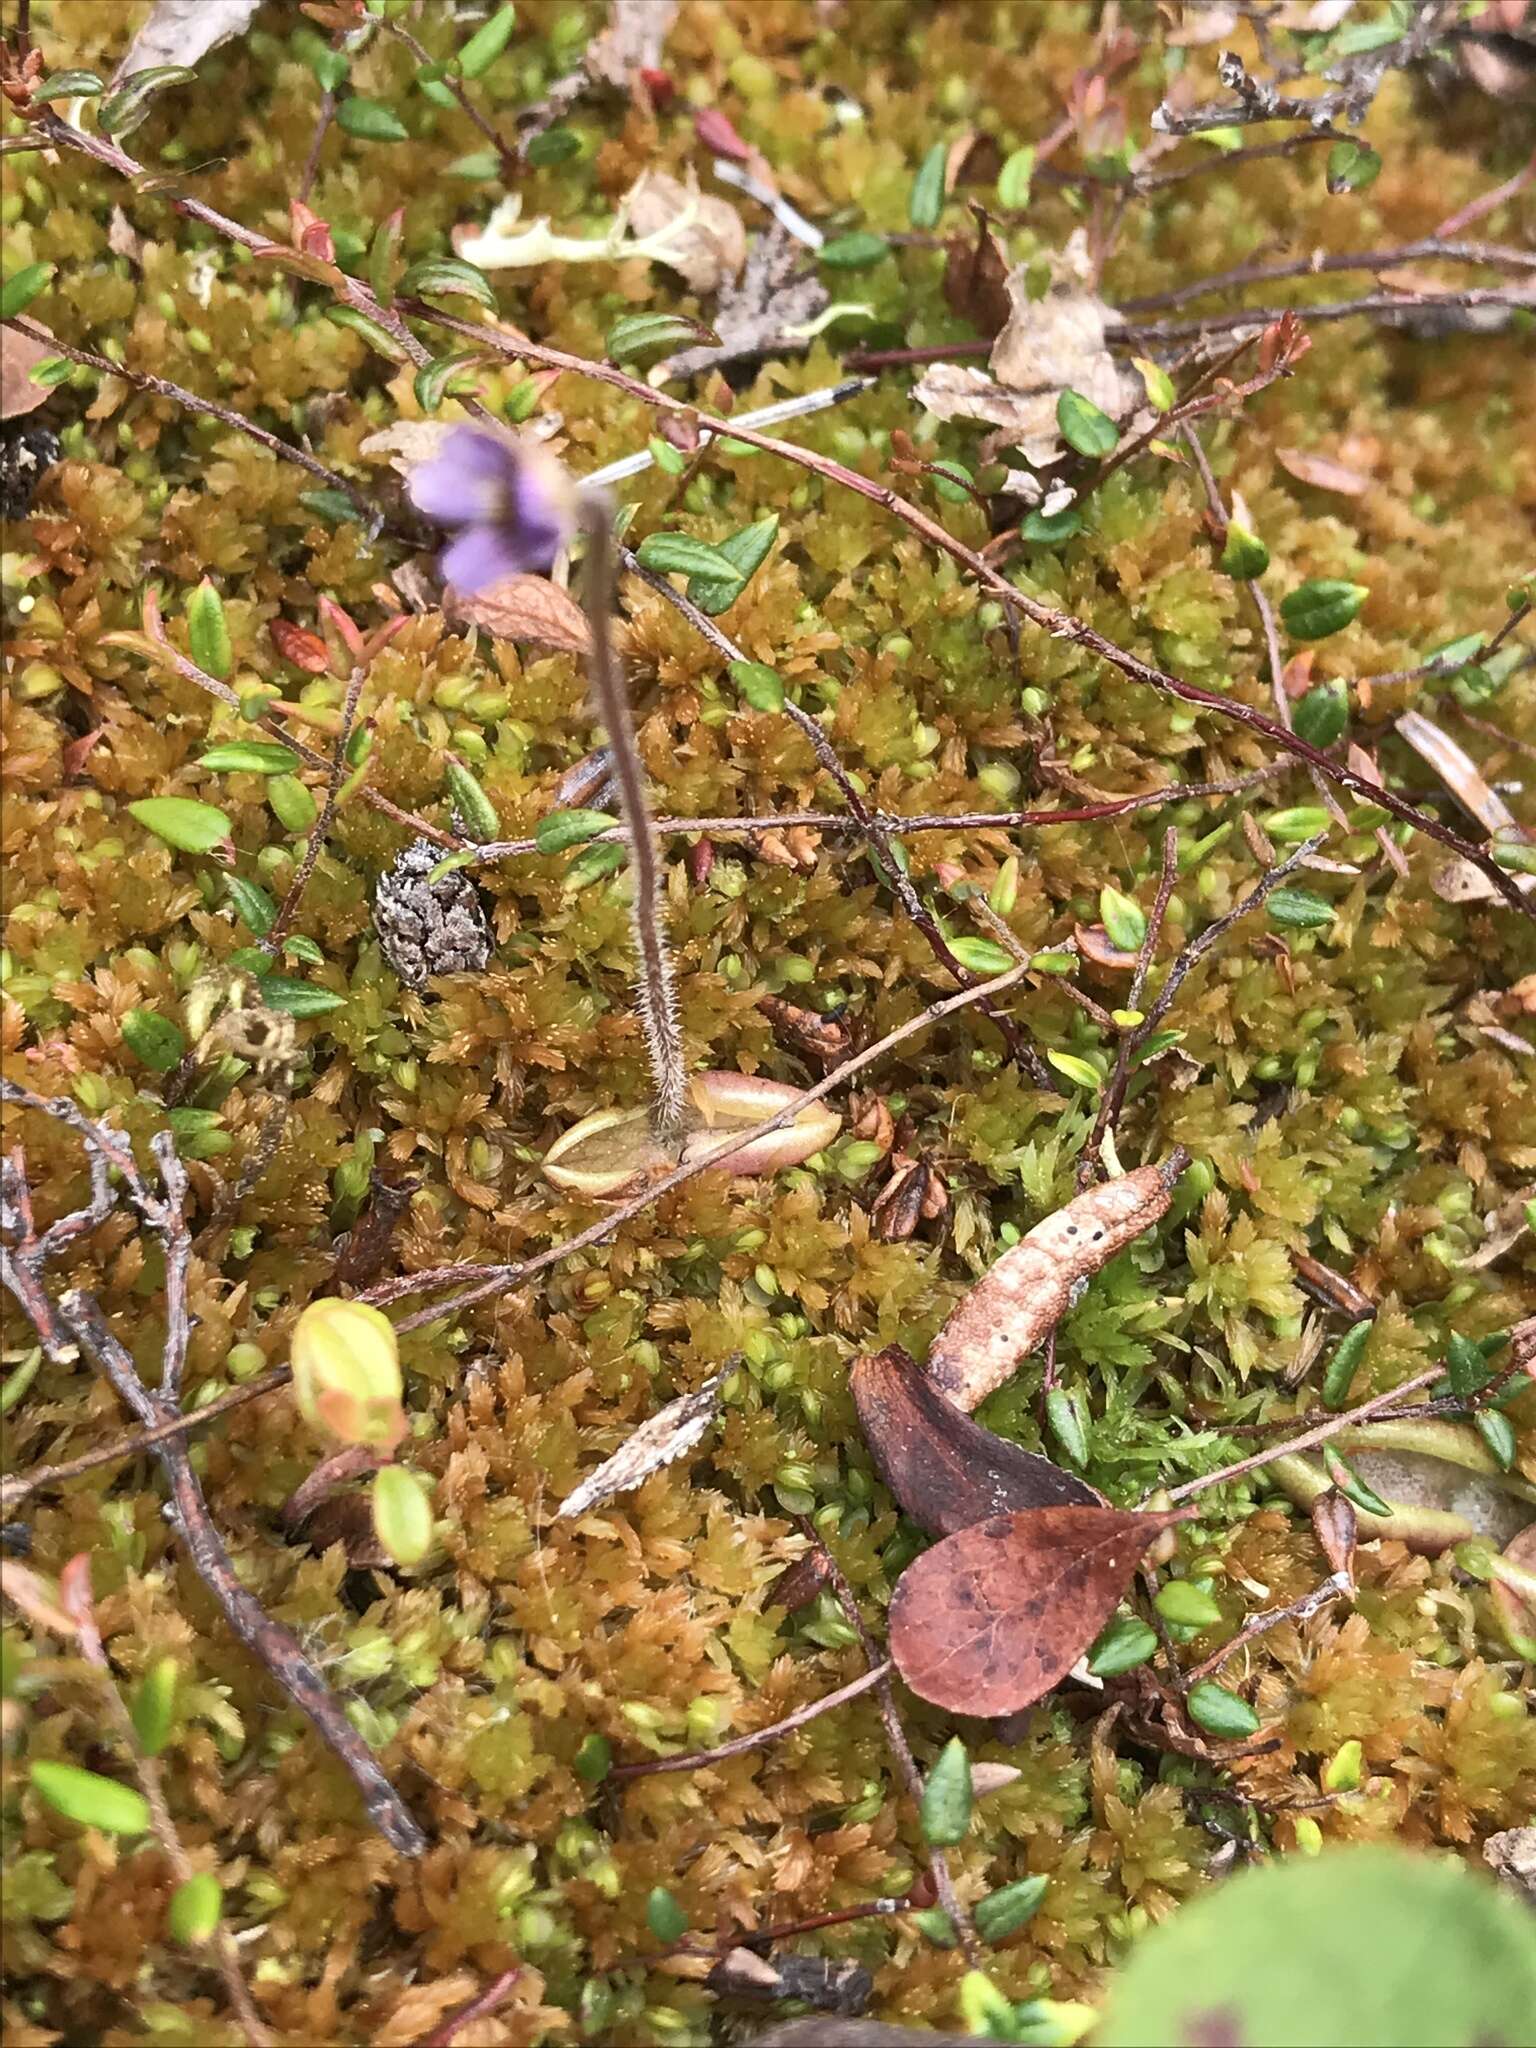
(346, 1373)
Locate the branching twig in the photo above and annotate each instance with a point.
(1113, 1098)
(1494, 254)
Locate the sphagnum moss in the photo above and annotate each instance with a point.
(1353, 1088)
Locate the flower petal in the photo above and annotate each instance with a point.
(480, 556)
(472, 477)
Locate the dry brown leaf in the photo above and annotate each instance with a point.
(709, 251)
(659, 1440)
(976, 278)
(1047, 345)
(123, 239)
(632, 41)
(184, 31)
(1458, 771)
(527, 608)
(752, 317)
(19, 355)
(1322, 472)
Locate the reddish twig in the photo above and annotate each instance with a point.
(476, 2008)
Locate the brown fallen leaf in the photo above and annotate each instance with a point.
(525, 608)
(976, 277)
(1322, 472)
(1012, 1307)
(1459, 772)
(945, 1470)
(660, 1439)
(776, 291)
(19, 356)
(994, 1616)
(710, 250)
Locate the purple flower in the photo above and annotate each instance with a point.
(512, 507)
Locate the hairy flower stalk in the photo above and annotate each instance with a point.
(655, 989)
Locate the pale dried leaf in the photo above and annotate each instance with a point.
(19, 355)
(1459, 882)
(633, 41)
(526, 608)
(710, 243)
(667, 1435)
(26, 1591)
(1458, 771)
(184, 31)
(123, 239)
(762, 313)
(1322, 472)
(1211, 22)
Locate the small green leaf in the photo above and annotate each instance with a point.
(470, 802)
(759, 685)
(249, 757)
(297, 947)
(125, 109)
(1343, 1475)
(478, 168)
(953, 482)
(252, 903)
(1220, 1712)
(1302, 821)
(383, 343)
(369, 121)
(1084, 427)
(927, 200)
(1064, 1413)
(487, 42)
(1245, 555)
(1125, 1643)
(292, 805)
(154, 1040)
(1015, 179)
(182, 822)
(982, 956)
(1004, 1912)
(1323, 605)
(1082, 1072)
(93, 1801)
(1351, 167)
(193, 1913)
(858, 251)
(208, 632)
(1339, 1373)
(1466, 1365)
(1052, 526)
(1322, 716)
(1189, 1606)
(1299, 910)
(449, 277)
(329, 66)
(669, 460)
(402, 1513)
(1123, 919)
(431, 382)
(592, 864)
(334, 507)
(67, 85)
(636, 335)
(298, 998)
(679, 554)
(19, 290)
(594, 1759)
(1156, 382)
(935, 1925)
(154, 1706)
(664, 1916)
(946, 1805)
(557, 830)
(745, 551)
(553, 146)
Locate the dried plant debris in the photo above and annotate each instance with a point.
(825, 1983)
(430, 922)
(27, 453)
(669, 1433)
(706, 243)
(183, 32)
(769, 311)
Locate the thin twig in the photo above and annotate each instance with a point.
(1113, 1098)
(288, 908)
(1494, 254)
(477, 2008)
(1393, 306)
(761, 1738)
(900, 1748)
(1333, 1588)
(511, 163)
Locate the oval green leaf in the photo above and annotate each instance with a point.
(193, 1914)
(1084, 427)
(182, 822)
(369, 121)
(93, 1801)
(946, 1806)
(402, 1514)
(1323, 605)
(249, 757)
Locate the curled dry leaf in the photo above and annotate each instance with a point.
(994, 1616)
(1459, 772)
(1514, 1596)
(823, 1040)
(710, 248)
(669, 1432)
(1439, 1479)
(613, 1150)
(1047, 345)
(183, 32)
(1336, 1527)
(945, 1470)
(1322, 472)
(1012, 1307)
(527, 608)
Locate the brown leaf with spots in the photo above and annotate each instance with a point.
(527, 608)
(994, 1616)
(1322, 472)
(945, 1470)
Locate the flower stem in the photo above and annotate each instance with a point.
(655, 988)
